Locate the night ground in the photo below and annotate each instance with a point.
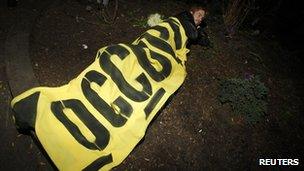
(196, 130)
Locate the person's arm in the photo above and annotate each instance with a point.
(202, 38)
(187, 22)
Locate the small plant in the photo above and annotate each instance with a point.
(235, 12)
(247, 97)
(108, 10)
(141, 22)
(154, 19)
(151, 21)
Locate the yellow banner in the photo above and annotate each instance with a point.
(95, 120)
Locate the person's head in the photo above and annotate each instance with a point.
(198, 14)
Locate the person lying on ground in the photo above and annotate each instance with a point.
(194, 24)
(94, 121)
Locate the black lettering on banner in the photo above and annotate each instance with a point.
(146, 64)
(160, 44)
(99, 163)
(116, 120)
(143, 79)
(102, 135)
(177, 33)
(125, 108)
(164, 33)
(26, 111)
(153, 102)
(117, 77)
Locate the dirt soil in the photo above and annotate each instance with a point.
(194, 131)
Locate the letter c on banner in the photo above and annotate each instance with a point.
(116, 120)
(117, 77)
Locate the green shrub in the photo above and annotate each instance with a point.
(247, 97)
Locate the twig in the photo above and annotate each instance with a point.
(85, 21)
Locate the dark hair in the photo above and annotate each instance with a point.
(195, 8)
